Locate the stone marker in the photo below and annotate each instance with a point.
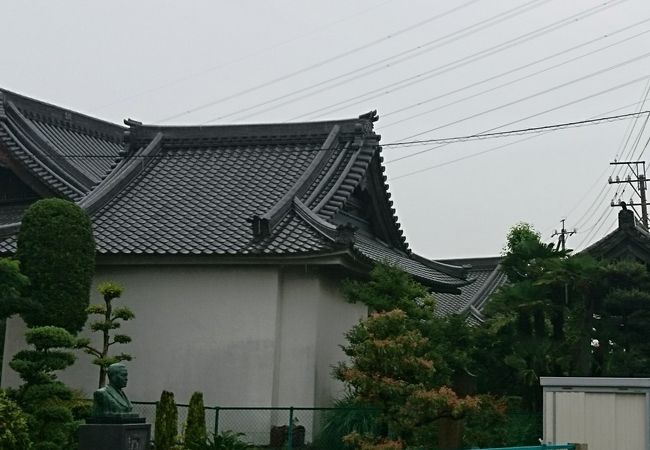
(113, 425)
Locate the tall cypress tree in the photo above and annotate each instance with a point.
(166, 429)
(56, 251)
(195, 430)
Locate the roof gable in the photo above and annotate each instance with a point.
(629, 241)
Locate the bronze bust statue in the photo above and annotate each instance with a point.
(110, 403)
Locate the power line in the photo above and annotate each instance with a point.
(422, 76)
(518, 132)
(537, 94)
(242, 58)
(592, 208)
(622, 150)
(524, 118)
(385, 63)
(511, 82)
(492, 149)
(318, 64)
(600, 224)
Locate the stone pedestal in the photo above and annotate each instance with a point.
(123, 436)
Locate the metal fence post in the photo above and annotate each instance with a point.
(216, 421)
(290, 437)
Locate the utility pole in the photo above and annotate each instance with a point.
(638, 183)
(563, 235)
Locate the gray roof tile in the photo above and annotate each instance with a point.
(487, 277)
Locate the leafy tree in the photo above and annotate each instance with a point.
(487, 426)
(563, 315)
(166, 422)
(195, 430)
(622, 310)
(46, 400)
(523, 336)
(451, 338)
(392, 366)
(110, 321)
(56, 251)
(14, 433)
(397, 361)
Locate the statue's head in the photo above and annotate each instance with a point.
(117, 375)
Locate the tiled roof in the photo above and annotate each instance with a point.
(54, 145)
(487, 277)
(245, 191)
(200, 201)
(378, 251)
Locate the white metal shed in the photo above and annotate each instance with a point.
(605, 413)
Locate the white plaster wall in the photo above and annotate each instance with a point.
(314, 320)
(297, 333)
(205, 328)
(243, 335)
(335, 318)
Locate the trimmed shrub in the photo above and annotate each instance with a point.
(14, 433)
(166, 422)
(195, 430)
(47, 402)
(226, 440)
(56, 250)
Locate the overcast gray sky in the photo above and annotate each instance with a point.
(432, 69)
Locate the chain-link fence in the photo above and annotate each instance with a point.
(324, 428)
(270, 427)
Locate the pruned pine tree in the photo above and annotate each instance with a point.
(111, 319)
(47, 401)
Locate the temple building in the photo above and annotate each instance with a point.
(231, 242)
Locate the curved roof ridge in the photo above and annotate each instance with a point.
(491, 283)
(45, 110)
(45, 149)
(449, 269)
(328, 209)
(264, 224)
(121, 176)
(324, 227)
(34, 166)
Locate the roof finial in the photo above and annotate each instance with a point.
(371, 116)
(132, 123)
